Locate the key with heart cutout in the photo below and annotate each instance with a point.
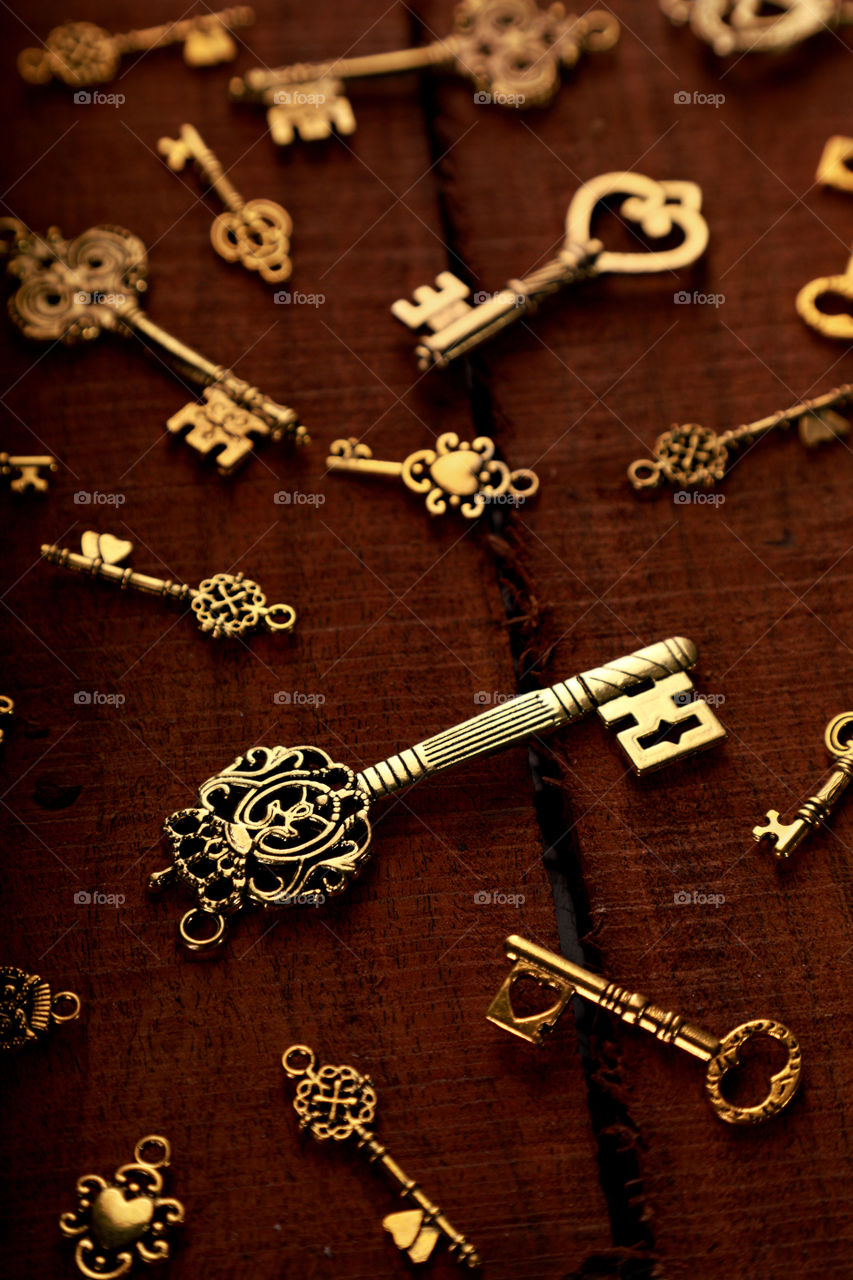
(695, 456)
(255, 233)
(339, 1103)
(455, 475)
(657, 208)
(735, 27)
(826, 287)
(72, 290)
(124, 1219)
(785, 837)
(80, 53)
(26, 470)
(28, 1010)
(223, 605)
(284, 826)
(566, 979)
(513, 51)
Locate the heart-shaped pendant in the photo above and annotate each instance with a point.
(832, 326)
(105, 546)
(409, 1234)
(117, 1221)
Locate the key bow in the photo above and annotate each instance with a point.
(658, 208)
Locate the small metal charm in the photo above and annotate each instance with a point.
(786, 836)
(26, 471)
(79, 53)
(455, 474)
(831, 326)
(282, 826)
(749, 26)
(566, 979)
(27, 1009)
(7, 710)
(659, 208)
(223, 605)
(834, 168)
(255, 233)
(692, 455)
(338, 1103)
(124, 1220)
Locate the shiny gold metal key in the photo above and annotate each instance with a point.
(735, 27)
(284, 826)
(786, 836)
(28, 1009)
(566, 979)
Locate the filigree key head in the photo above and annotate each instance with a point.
(658, 208)
(744, 26)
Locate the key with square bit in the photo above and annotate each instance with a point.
(786, 836)
(657, 208)
(566, 979)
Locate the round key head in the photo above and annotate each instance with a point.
(78, 53)
(332, 1102)
(685, 456)
(258, 236)
(230, 605)
(783, 1083)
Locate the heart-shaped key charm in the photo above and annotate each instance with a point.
(658, 208)
(839, 287)
(105, 546)
(409, 1234)
(117, 1221)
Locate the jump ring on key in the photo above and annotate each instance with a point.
(298, 1051)
(202, 944)
(153, 1140)
(65, 998)
(288, 620)
(783, 1083)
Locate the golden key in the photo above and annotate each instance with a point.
(839, 287)
(338, 1103)
(72, 290)
(834, 167)
(455, 474)
(786, 836)
(255, 232)
(26, 471)
(512, 50)
(223, 605)
(28, 1010)
(79, 53)
(658, 208)
(285, 826)
(752, 26)
(566, 979)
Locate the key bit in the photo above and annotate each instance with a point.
(26, 471)
(787, 836)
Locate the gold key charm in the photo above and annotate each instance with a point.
(79, 53)
(834, 167)
(786, 836)
(255, 233)
(7, 710)
(455, 474)
(124, 1220)
(26, 471)
(28, 1010)
(694, 456)
(512, 50)
(224, 605)
(282, 826)
(72, 290)
(566, 979)
(338, 1103)
(839, 287)
(750, 26)
(659, 208)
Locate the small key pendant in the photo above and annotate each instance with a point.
(514, 52)
(255, 233)
(735, 27)
(566, 979)
(659, 208)
(839, 287)
(26, 471)
(786, 836)
(72, 290)
(454, 475)
(694, 456)
(79, 53)
(288, 825)
(28, 1010)
(223, 605)
(7, 710)
(338, 1103)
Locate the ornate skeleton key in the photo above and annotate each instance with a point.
(71, 290)
(742, 26)
(658, 208)
(256, 232)
(338, 1103)
(458, 475)
(79, 53)
(786, 836)
(287, 825)
(512, 50)
(566, 979)
(29, 471)
(692, 455)
(7, 710)
(831, 326)
(28, 1010)
(224, 605)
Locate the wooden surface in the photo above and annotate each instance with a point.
(598, 1155)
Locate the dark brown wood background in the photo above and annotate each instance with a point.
(597, 1155)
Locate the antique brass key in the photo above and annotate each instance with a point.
(658, 208)
(512, 50)
(566, 979)
(255, 233)
(26, 471)
(72, 290)
(282, 826)
(751, 26)
(786, 836)
(28, 1010)
(79, 53)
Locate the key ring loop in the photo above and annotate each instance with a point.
(196, 942)
(279, 617)
(300, 1051)
(783, 1083)
(65, 998)
(153, 1140)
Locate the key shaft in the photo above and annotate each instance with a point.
(814, 812)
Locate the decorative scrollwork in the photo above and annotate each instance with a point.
(333, 1102)
(685, 456)
(465, 476)
(740, 26)
(258, 236)
(228, 604)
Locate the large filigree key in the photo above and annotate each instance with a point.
(754, 26)
(282, 826)
(79, 53)
(225, 604)
(255, 233)
(338, 1103)
(72, 290)
(657, 208)
(512, 50)
(566, 979)
(786, 836)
